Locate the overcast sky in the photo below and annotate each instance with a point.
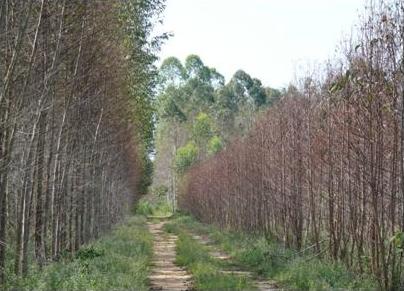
(268, 39)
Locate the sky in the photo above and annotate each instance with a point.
(270, 39)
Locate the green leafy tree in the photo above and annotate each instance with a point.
(273, 95)
(196, 69)
(202, 129)
(186, 157)
(194, 104)
(201, 85)
(171, 105)
(248, 90)
(215, 145)
(258, 94)
(137, 19)
(172, 73)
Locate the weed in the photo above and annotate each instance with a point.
(154, 206)
(89, 253)
(117, 261)
(206, 270)
(144, 208)
(270, 259)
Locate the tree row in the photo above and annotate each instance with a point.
(75, 77)
(323, 170)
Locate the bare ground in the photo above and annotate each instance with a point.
(165, 274)
(260, 283)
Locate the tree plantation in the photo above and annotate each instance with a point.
(324, 167)
(75, 122)
(198, 113)
(123, 171)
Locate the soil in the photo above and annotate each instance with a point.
(165, 274)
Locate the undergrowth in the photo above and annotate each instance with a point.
(117, 261)
(205, 269)
(154, 207)
(271, 260)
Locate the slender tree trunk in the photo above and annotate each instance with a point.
(39, 223)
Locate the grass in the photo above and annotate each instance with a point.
(204, 269)
(318, 274)
(117, 261)
(270, 260)
(152, 206)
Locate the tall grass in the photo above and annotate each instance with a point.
(205, 270)
(117, 261)
(157, 207)
(271, 260)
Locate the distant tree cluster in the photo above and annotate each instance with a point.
(324, 168)
(197, 114)
(75, 122)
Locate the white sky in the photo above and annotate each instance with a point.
(268, 39)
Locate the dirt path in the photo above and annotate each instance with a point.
(165, 275)
(260, 283)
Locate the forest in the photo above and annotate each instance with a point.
(120, 171)
(76, 80)
(322, 167)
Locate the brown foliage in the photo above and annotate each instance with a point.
(68, 157)
(325, 166)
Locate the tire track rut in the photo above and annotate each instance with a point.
(165, 274)
(261, 284)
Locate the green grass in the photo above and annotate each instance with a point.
(318, 274)
(204, 269)
(270, 260)
(154, 206)
(117, 261)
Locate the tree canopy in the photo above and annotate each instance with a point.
(197, 113)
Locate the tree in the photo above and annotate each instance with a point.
(215, 145)
(203, 128)
(193, 105)
(185, 157)
(322, 169)
(76, 122)
(172, 73)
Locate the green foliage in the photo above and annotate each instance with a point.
(271, 260)
(147, 174)
(215, 145)
(193, 87)
(160, 191)
(398, 240)
(203, 128)
(248, 90)
(195, 67)
(267, 258)
(116, 262)
(185, 157)
(137, 19)
(195, 106)
(157, 208)
(170, 105)
(163, 209)
(206, 270)
(144, 207)
(303, 274)
(200, 96)
(171, 73)
(90, 252)
(273, 96)
(190, 252)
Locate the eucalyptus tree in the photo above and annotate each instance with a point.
(322, 169)
(76, 122)
(190, 94)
